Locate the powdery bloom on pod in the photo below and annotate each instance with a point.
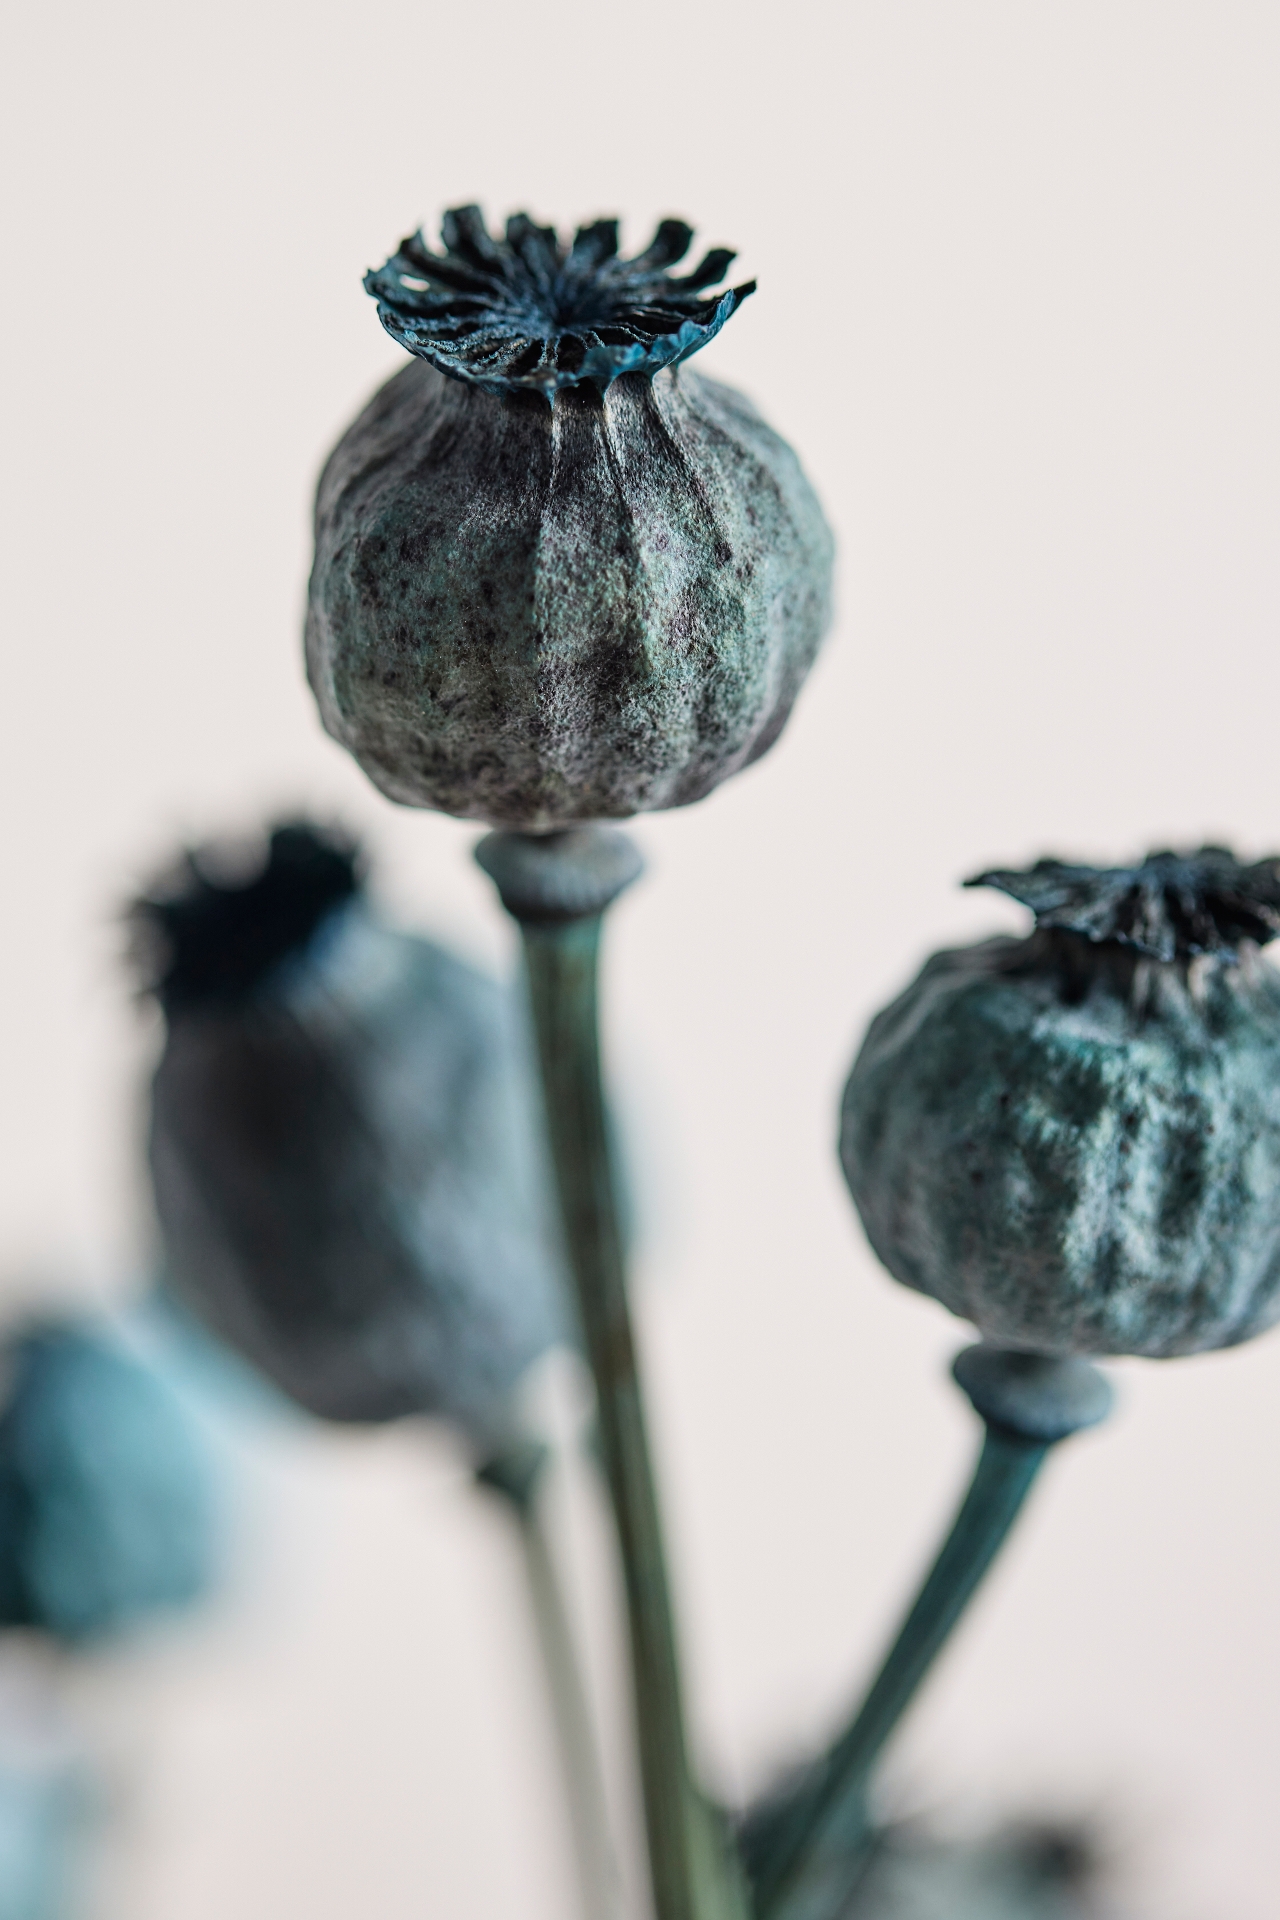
(557, 577)
(343, 1147)
(1073, 1140)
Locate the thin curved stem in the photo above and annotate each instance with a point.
(816, 1842)
(518, 1476)
(691, 1875)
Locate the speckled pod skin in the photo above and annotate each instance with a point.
(1077, 1147)
(347, 1183)
(535, 612)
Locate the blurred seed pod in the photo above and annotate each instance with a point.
(1022, 1871)
(343, 1145)
(107, 1509)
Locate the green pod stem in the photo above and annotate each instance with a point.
(557, 887)
(516, 1473)
(562, 972)
(811, 1851)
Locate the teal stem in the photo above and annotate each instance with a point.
(811, 1851)
(817, 1852)
(517, 1473)
(557, 887)
(822, 1840)
(561, 961)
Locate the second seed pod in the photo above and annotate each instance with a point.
(1073, 1140)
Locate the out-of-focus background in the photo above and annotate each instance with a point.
(1018, 312)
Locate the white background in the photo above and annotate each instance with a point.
(1018, 313)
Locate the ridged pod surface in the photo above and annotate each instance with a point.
(534, 613)
(557, 578)
(1076, 1145)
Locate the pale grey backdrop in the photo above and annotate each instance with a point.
(1018, 311)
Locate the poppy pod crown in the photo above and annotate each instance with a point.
(1170, 906)
(532, 313)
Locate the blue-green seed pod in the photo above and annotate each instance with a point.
(557, 578)
(343, 1147)
(1073, 1140)
(106, 1495)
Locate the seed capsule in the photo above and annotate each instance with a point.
(557, 578)
(1073, 1140)
(343, 1147)
(106, 1498)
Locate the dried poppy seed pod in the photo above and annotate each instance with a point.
(106, 1497)
(555, 578)
(343, 1148)
(1073, 1140)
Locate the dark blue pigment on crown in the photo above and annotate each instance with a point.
(217, 941)
(532, 313)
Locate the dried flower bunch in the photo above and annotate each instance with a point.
(558, 578)
(1073, 1140)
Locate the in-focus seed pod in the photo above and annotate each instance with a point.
(343, 1148)
(106, 1498)
(557, 578)
(1073, 1140)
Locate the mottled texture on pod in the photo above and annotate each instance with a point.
(1075, 1145)
(106, 1498)
(535, 613)
(345, 1166)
